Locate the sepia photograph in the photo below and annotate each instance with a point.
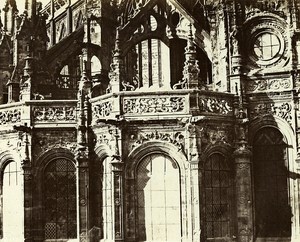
(149, 121)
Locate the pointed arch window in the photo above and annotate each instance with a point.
(271, 184)
(216, 203)
(60, 199)
(12, 203)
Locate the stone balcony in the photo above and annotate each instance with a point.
(172, 104)
(41, 113)
(160, 105)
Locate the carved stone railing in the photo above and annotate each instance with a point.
(10, 114)
(161, 104)
(46, 111)
(155, 104)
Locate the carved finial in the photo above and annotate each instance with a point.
(190, 43)
(117, 43)
(191, 69)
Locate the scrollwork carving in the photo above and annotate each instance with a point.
(10, 116)
(215, 105)
(269, 85)
(102, 110)
(282, 110)
(54, 114)
(148, 105)
(176, 138)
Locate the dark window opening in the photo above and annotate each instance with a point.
(216, 197)
(270, 168)
(60, 200)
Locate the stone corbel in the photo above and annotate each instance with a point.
(23, 144)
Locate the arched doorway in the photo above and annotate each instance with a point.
(216, 199)
(271, 189)
(60, 199)
(158, 199)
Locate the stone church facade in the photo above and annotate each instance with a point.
(150, 120)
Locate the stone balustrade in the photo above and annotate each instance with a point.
(161, 104)
(38, 113)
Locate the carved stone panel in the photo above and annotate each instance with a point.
(46, 140)
(155, 105)
(54, 113)
(10, 116)
(269, 85)
(280, 109)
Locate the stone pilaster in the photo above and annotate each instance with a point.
(243, 179)
(117, 169)
(82, 178)
(118, 191)
(243, 191)
(26, 176)
(82, 154)
(195, 229)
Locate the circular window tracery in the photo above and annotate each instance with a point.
(266, 42)
(266, 46)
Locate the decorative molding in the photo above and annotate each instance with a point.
(54, 114)
(176, 138)
(269, 85)
(215, 105)
(282, 110)
(10, 116)
(152, 105)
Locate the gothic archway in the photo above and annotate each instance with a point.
(12, 202)
(158, 199)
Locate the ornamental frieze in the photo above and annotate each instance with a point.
(54, 114)
(215, 105)
(269, 85)
(176, 138)
(153, 105)
(282, 110)
(10, 116)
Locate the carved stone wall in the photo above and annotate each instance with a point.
(46, 140)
